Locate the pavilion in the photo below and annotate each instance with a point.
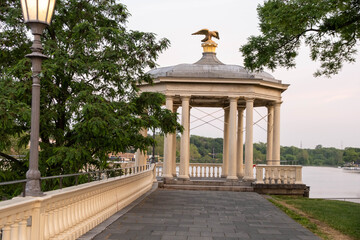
(211, 83)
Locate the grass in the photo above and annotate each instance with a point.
(300, 219)
(339, 215)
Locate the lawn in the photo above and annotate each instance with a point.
(340, 215)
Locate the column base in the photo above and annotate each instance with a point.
(232, 178)
(248, 179)
(167, 176)
(183, 177)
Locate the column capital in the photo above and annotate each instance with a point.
(233, 98)
(241, 108)
(169, 96)
(277, 102)
(185, 97)
(269, 106)
(249, 99)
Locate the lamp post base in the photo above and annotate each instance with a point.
(33, 188)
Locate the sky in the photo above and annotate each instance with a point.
(315, 111)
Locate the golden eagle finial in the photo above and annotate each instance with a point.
(208, 34)
(208, 44)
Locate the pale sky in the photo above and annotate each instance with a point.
(314, 111)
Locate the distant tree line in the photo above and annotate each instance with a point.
(209, 150)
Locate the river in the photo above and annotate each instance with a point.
(328, 182)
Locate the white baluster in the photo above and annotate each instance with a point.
(285, 178)
(6, 232)
(271, 175)
(267, 175)
(298, 175)
(22, 229)
(259, 175)
(51, 221)
(56, 220)
(46, 227)
(14, 230)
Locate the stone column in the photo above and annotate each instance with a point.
(167, 168)
(232, 170)
(185, 139)
(269, 145)
(140, 157)
(249, 175)
(224, 171)
(276, 137)
(174, 149)
(240, 143)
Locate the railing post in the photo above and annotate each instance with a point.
(60, 182)
(24, 189)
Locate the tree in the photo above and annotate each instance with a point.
(351, 155)
(90, 102)
(331, 29)
(194, 153)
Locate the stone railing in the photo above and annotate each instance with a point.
(70, 212)
(210, 170)
(278, 174)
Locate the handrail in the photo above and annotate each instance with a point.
(12, 182)
(71, 212)
(133, 169)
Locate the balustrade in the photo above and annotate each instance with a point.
(265, 174)
(204, 170)
(278, 174)
(68, 213)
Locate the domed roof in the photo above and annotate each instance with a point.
(210, 67)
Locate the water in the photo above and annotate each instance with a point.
(327, 182)
(330, 182)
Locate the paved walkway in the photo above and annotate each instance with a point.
(202, 215)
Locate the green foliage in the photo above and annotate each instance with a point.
(90, 103)
(201, 150)
(330, 28)
(352, 155)
(194, 153)
(209, 150)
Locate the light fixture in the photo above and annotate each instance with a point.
(37, 14)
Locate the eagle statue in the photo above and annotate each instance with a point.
(208, 34)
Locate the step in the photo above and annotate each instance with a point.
(221, 182)
(208, 188)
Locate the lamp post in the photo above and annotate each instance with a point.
(37, 15)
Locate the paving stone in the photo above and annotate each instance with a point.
(212, 234)
(203, 215)
(187, 233)
(174, 238)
